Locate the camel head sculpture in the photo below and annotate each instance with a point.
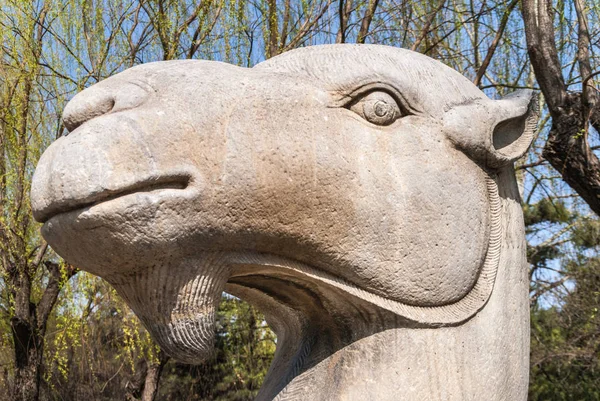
(363, 197)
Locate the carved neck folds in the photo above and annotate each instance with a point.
(362, 197)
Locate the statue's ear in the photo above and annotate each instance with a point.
(494, 132)
(515, 128)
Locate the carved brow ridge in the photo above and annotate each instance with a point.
(425, 83)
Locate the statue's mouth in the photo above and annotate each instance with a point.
(149, 185)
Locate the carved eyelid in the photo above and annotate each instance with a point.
(347, 98)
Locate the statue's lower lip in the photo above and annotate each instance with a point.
(164, 183)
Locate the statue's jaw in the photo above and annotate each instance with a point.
(177, 302)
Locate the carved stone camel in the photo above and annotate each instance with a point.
(363, 197)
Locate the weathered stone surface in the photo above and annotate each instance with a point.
(362, 196)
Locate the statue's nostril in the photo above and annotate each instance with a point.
(85, 106)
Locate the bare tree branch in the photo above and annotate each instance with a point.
(366, 21)
(494, 45)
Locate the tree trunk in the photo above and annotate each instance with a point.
(272, 24)
(569, 152)
(153, 377)
(29, 324)
(144, 386)
(567, 148)
(366, 21)
(28, 360)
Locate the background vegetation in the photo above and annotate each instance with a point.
(65, 335)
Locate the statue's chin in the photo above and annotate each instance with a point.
(188, 340)
(177, 303)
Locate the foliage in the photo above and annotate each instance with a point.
(95, 343)
(565, 324)
(546, 210)
(565, 351)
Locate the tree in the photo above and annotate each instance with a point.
(565, 356)
(31, 92)
(573, 112)
(28, 299)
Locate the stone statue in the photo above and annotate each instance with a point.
(363, 197)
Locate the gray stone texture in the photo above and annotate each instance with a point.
(362, 196)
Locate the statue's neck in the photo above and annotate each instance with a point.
(319, 353)
(474, 361)
(331, 347)
(328, 364)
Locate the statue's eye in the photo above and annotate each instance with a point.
(377, 107)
